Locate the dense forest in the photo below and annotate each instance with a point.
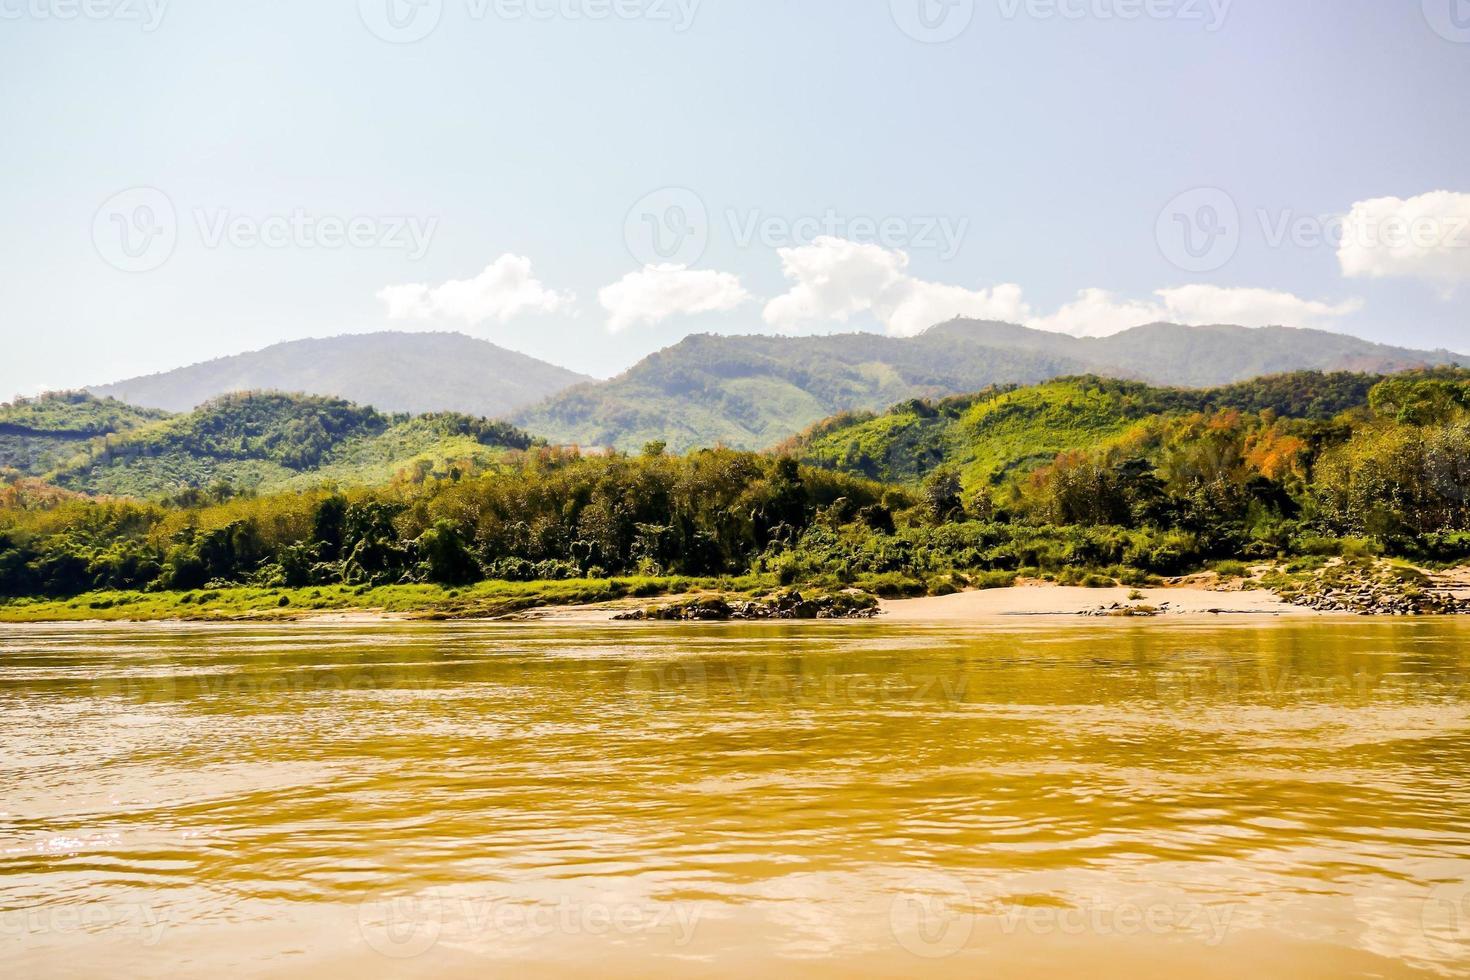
(249, 442)
(1076, 478)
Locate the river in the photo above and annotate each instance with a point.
(1020, 799)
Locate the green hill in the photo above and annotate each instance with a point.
(267, 441)
(1005, 430)
(752, 392)
(38, 435)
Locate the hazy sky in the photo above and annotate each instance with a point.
(590, 180)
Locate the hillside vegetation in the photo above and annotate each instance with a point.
(1147, 482)
(37, 435)
(250, 442)
(753, 392)
(988, 436)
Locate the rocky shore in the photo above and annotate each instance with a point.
(1378, 589)
(785, 605)
(1373, 599)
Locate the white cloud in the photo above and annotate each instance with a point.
(1098, 312)
(505, 290)
(923, 304)
(1201, 305)
(835, 279)
(657, 292)
(1424, 237)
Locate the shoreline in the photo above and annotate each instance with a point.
(1032, 600)
(1308, 587)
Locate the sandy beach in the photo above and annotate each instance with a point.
(1022, 600)
(1056, 600)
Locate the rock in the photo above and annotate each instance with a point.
(849, 604)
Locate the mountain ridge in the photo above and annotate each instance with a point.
(754, 391)
(392, 371)
(750, 391)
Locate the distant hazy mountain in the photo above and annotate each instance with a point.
(752, 392)
(392, 372)
(1171, 354)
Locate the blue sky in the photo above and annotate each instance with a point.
(185, 181)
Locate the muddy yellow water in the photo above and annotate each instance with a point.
(1031, 800)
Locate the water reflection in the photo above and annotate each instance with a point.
(823, 798)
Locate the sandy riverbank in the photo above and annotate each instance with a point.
(1032, 599)
(1056, 600)
(1023, 600)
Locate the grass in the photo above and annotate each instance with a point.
(419, 601)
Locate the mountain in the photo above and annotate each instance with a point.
(752, 392)
(265, 441)
(1172, 354)
(393, 372)
(994, 433)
